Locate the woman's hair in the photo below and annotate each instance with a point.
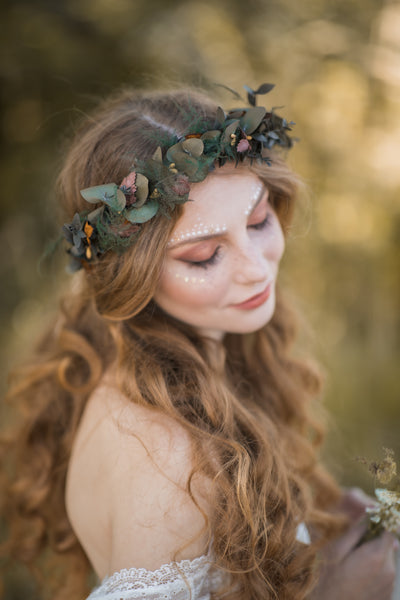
(247, 404)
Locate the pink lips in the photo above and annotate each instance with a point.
(255, 301)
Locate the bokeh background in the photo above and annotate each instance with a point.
(337, 70)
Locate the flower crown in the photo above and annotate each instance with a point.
(158, 184)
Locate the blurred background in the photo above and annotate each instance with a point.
(337, 70)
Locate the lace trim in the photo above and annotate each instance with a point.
(183, 573)
(175, 577)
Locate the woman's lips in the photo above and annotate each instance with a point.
(257, 300)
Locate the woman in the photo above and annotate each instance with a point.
(167, 440)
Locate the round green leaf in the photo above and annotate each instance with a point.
(143, 214)
(193, 146)
(187, 164)
(107, 193)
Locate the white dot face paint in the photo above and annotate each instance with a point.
(223, 256)
(256, 189)
(186, 279)
(198, 230)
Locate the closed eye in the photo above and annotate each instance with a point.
(204, 264)
(264, 223)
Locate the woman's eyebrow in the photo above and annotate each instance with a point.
(213, 232)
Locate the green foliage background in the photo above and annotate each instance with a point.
(337, 70)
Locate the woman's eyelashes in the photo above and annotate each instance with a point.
(206, 262)
(262, 224)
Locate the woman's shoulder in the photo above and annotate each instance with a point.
(126, 492)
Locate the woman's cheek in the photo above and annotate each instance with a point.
(195, 285)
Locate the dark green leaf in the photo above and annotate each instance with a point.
(251, 120)
(226, 136)
(221, 116)
(264, 88)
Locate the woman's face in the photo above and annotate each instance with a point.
(223, 257)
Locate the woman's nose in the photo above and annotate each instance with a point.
(252, 266)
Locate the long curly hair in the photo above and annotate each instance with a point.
(247, 404)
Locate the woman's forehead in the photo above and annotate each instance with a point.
(221, 195)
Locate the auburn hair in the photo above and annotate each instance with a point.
(246, 403)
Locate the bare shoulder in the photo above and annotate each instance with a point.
(127, 486)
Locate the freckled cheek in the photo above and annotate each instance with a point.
(190, 286)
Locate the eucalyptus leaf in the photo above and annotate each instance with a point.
(95, 214)
(97, 193)
(221, 116)
(264, 88)
(157, 156)
(214, 134)
(173, 151)
(251, 120)
(193, 146)
(251, 98)
(201, 172)
(226, 136)
(142, 189)
(237, 113)
(184, 162)
(259, 137)
(187, 164)
(121, 201)
(143, 214)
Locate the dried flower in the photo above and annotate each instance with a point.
(386, 514)
(385, 470)
(243, 145)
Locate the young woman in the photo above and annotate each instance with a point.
(166, 441)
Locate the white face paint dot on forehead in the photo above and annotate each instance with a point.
(255, 191)
(198, 230)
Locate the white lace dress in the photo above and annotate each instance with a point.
(185, 580)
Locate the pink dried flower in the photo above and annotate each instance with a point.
(129, 182)
(181, 185)
(128, 186)
(243, 145)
